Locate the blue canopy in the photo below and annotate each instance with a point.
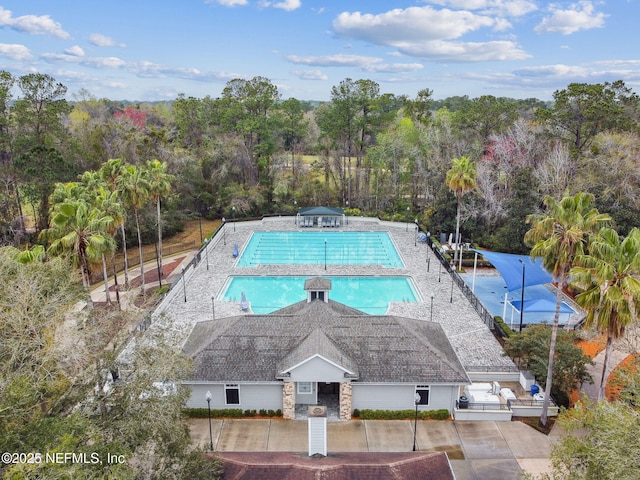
(541, 305)
(510, 267)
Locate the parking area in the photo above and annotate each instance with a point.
(476, 450)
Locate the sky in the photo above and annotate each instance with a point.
(143, 50)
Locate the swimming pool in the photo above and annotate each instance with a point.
(368, 294)
(491, 289)
(319, 248)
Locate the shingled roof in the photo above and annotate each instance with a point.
(253, 348)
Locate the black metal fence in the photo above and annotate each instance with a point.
(484, 314)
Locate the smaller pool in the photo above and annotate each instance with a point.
(491, 289)
(368, 294)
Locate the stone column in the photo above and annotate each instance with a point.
(288, 401)
(345, 400)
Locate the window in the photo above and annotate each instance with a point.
(423, 391)
(232, 394)
(305, 387)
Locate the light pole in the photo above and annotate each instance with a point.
(325, 254)
(224, 231)
(295, 212)
(233, 210)
(347, 213)
(408, 209)
(522, 295)
(208, 397)
(439, 271)
(431, 314)
(213, 306)
(415, 240)
(184, 285)
(206, 251)
(451, 299)
(416, 400)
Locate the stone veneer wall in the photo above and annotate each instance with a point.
(288, 401)
(345, 400)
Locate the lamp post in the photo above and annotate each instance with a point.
(431, 314)
(184, 285)
(208, 397)
(451, 299)
(347, 213)
(206, 251)
(439, 271)
(416, 400)
(415, 239)
(408, 209)
(522, 295)
(295, 212)
(213, 306)
(325, 253)
(224, 231)
(233, 210)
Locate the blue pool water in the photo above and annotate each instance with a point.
(491, 289)
(318, 248)
(368, 294)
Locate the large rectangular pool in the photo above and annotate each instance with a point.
(368, 294)
(320, 248)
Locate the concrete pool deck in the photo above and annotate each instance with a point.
(441, 301)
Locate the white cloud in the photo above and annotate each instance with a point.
(428, 34)
(14, 51)
(452, 52)
(76, 50)
(314, 74)
(32, 24)
(339, 60)
(558, 70)
(100, 40)
(414, 24)
(368, 64)
(227, 3)
(579, 16)
(97, 62)
(288, 5)
(505, 8)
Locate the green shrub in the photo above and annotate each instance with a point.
(356, 413)
(366, 414)
(503, 327)
(215, 413)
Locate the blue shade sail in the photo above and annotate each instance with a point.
(510, 267)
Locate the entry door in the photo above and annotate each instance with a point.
(332, 388)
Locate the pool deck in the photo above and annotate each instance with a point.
(471, 338)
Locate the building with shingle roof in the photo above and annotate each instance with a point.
(309, 351)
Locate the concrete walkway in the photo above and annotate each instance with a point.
(477, 450)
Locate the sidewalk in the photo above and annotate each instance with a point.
(476, 450)
(172, 270)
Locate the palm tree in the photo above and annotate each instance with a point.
(78, 228)
(558, 236)
(135, 193)
(159, 186)
(111, 172)
(461, 178)
(608, 276)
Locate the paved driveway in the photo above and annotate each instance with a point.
(477, 450)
